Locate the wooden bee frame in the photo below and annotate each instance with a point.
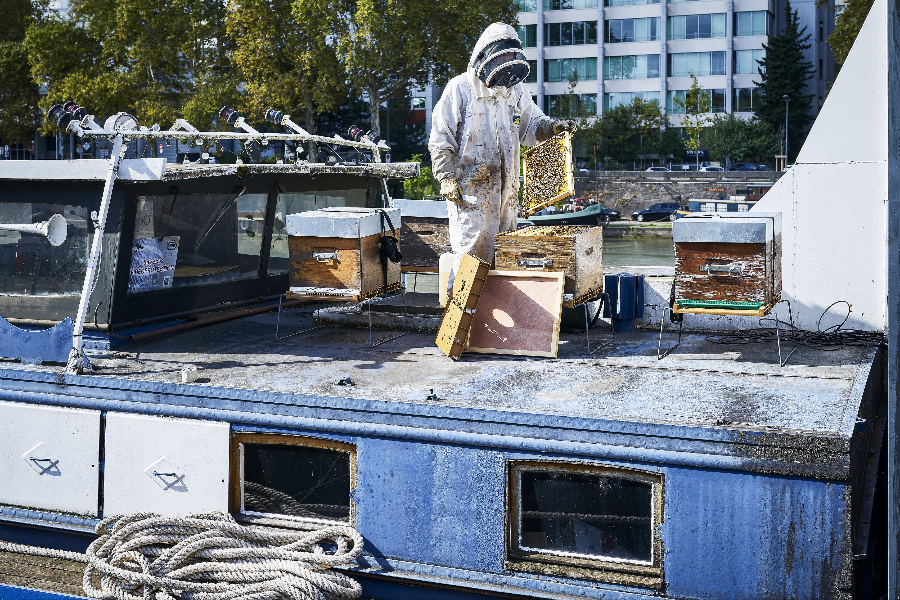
(547, 170)
(457, 319)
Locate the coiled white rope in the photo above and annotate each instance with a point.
(211, 557)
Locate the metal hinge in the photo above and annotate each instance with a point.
(325, 256)
(721, 269)
(534, 264)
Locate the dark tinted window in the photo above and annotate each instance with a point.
(586, 514)
(298, 481)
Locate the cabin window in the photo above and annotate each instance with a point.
(289, 204)
(721, 207)
(185, 240)
(708, 207)
(29, 264)
(743, 207)
(585, 521)
(292, 477)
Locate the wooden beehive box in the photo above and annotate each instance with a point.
(576, 251)
(457, 319)
(548, 175)
(425, 234)
(727, 263)
(336, 252)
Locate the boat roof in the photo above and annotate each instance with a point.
(158, 169)
(730, 401)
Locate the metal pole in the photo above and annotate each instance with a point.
(786, 105)
(77, 361)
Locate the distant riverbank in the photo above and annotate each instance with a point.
(629, 229)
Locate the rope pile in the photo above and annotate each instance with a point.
(211, 557)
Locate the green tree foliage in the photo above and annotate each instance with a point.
(846, 26)
(628, 131)
(284, 61)
(384, 46)
(730, 137)
(158, 59)
(696, 105)
(784, 71)
(18, 92)
(423, 185)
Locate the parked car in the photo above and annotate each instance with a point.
(657, 169)
(742, 167)
(710, 169)
(764, 168)
(656, 212)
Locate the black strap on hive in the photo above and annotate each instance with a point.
(390, 247)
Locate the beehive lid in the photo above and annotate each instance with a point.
(433, 209)
(546, 231)
(457, 319)
(341, 222)
(547, 169)
(734, 228)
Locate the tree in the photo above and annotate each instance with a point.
(730, 137)
(784, 71)
(159, 59)
(628, 130)
(696, 104)
(19, 94)
(285, 63)
(423, 185)
(386, 45)
(846, 26)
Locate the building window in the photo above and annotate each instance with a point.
(716, 98)
(292, 477)
(418, 103)
(570, 106)
(562, 69)
(569, 4)
(528, 35)
(615, 99)
(745, 99)
(751, 23)
(746, 62)
(821, 69)
(696, 63)
(631, 30)
(570, 34)
(821, 31)
(532, 72)
(527, 5)
(642, 66)
(628, 2)
(693, 27)
(585, 521)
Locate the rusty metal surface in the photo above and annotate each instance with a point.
(175, 171)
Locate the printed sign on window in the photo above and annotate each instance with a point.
(152, 264)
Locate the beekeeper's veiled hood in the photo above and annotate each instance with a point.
(493, 33)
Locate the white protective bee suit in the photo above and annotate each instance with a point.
(475, 136)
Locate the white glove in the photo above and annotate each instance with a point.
(451, 191)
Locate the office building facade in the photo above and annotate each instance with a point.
(626, 49)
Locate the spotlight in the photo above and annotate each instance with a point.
(357, 135)
(275, 116)
(59, 116)
(229, 115)
(74, 110)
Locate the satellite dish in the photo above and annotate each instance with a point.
(121, 121)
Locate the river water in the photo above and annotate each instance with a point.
(629, 252)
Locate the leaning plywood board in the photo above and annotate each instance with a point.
(519, 313)
(547, 170)
(457, 319)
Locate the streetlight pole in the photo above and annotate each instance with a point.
(786, 104)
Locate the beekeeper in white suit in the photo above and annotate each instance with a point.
(476, 128)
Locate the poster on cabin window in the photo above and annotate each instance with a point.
(152, 264)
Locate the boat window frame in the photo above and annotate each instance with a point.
(635, 573)
(236, 469)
